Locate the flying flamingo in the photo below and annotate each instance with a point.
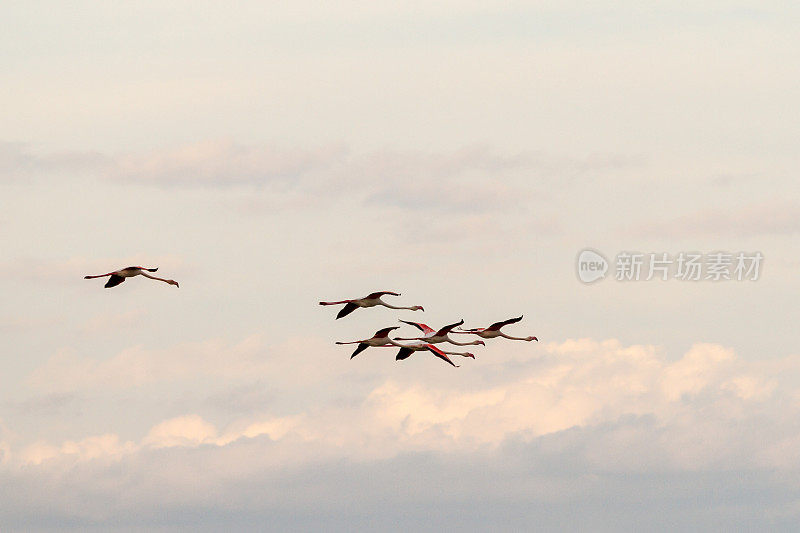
(494, 331)
(371, 300)
(118, 276)
(381, 338)
(407, 349)
(434, 337)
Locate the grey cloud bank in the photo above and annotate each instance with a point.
(548, 483)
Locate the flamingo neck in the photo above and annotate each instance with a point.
(513, 338)
(395, 343)
(145, 274)
(451, 341)
(390, 306)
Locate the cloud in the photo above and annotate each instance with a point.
(68, 371)
(182, 431)
(578, 383)
(103, 323)
(105, 447)
(242, 398)
(772, 218)
(470, 179)
(41, 405)
(18, 160)
(224, 164)
(473, 177)
(583, 421)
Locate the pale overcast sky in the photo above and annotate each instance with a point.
(460, 153)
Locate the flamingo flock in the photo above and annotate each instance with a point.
(427, 339)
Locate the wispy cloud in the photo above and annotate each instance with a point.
(18, 160)
(473, 178)
(773, 218)
(226, 164)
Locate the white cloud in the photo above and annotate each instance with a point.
(568, 423)
(103, 447)
(188, 430)
(578, 383)
(134, 367)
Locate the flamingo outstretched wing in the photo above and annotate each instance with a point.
(361, 347)
(440, 354)
(378, 294)
(381, 333)
(497, 325)
(424, 328)
(445, 330)
(346, 310)
(403, 354)
(113, 281)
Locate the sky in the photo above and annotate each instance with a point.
(269, 156)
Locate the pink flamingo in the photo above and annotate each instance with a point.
(494, 331)
(381, 338)
(407, 349)
(118, 276)
(434, 337)
(371, 300)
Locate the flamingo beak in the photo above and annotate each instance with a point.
(470, 355)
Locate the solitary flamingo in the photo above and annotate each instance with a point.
(371, 300)
(494, 331)
(118, 276)
(434, 337)
(407, 349)
(381, 338)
